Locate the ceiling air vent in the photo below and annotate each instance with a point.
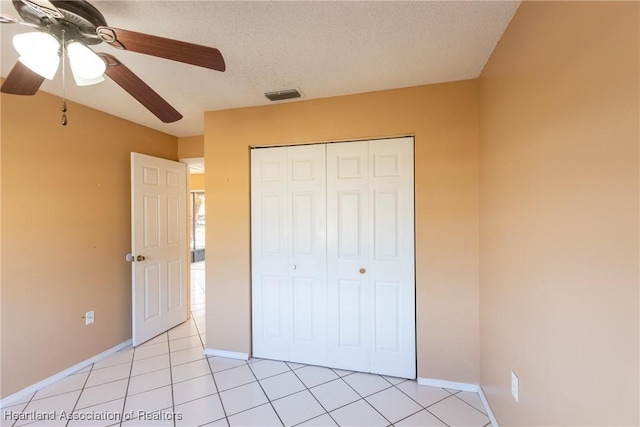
(282, 94)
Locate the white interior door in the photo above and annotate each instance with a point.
(289, 253)
(371, 267)
(159, 245)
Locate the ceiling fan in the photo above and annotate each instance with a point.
(67, 28)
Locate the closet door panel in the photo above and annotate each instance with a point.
(391, 264)
(271, 301)
(350, 226)
(269, 232)
(386, 224)
(307, 253)
(349, 290)
(387, 309)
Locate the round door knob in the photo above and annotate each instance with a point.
(140, 258)
(362, 270)
(293, 266)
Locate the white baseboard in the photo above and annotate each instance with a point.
(224, 353)
(485, 403)
(24, 393)
(473, 388)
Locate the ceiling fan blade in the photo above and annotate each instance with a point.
(21, 81)
(189, 53)
(127, 80)
(8, 19)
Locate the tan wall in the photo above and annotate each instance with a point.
(559, 190)
(190, 147)
(443, 119)
(196, 182)
(65, 232)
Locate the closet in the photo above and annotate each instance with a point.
(333, 265)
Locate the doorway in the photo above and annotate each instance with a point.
(197, 226)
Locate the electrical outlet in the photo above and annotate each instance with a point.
(89, 317)
(515, 386)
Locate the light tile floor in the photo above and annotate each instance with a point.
(169, 382)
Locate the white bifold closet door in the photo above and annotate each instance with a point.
(370, 262)
(289, 250)
(333, 277)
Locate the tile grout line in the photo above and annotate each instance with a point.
(327, 382)
(422, 408)
(126, 391)
(365, 397)
(157, 370)
(160, 369)
(31, 399)
(86, 380)
(415, 413)
(173, 399)
(314, 396)
(104, 383)
(25, 407)
(189, 379)
(197, 331)
(426, 408)
(107, 367)
(376, 409)
(265, 394)
(459, 398)
(215, 384)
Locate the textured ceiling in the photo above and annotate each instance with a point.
(324, 48)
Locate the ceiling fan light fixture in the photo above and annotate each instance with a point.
(82, 81)
(45, 66)
(39, 52)
(86, 65)
(36, 43)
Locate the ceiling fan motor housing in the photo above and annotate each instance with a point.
(79, 22)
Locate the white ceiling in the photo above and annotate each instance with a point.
(324, 48)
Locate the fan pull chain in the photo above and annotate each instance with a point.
(64, 113)
(64, 91)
